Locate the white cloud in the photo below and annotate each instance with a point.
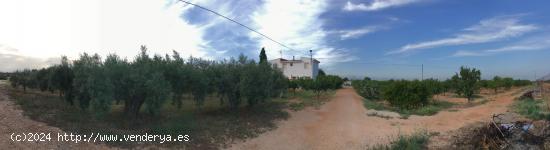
(377, 5)
(296, 23)
(530, 44)
(537, 43)
(50, 28)
(12, 61)
(463, 53)
(488, 30)
(356, 33)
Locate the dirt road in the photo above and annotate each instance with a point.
(13, 121)
(342, 123)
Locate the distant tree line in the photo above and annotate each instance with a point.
(4, 76)
(502, 83)
(95, 84)
(407, 94)
(320, 84)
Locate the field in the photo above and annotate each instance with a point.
(302, 114)
(210, 127)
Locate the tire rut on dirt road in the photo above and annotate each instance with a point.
(12, 120)
(342, 123)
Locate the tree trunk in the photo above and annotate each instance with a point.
(132, 106)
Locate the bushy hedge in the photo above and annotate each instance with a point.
(402, 94)
(321, 83)
(407, 94)
(367, 88)
(147, 81)
(318, 85)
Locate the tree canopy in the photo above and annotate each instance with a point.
(147, 82)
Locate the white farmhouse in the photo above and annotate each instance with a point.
(297, 68)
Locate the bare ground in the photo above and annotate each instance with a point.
(342, 123)
(12, 120)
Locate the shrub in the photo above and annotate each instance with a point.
(407, 94)
(367, 88)
(434, 86)
(530, 108)
(415, 141)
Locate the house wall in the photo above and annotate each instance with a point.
(299, 68)
(315, 70)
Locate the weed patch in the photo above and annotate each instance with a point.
(211, 127)
(308, 98)
(531, 108)
(430, 109)
(415, 141)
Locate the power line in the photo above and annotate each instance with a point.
(249, 28)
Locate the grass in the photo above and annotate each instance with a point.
(212, 127)
(379, 115)
(306, 98)
(431, 109)
(415, 141)
(370, 104)
(531, 108)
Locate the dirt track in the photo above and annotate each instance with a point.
(13, 121)
(342, 123)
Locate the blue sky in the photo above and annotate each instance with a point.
(501, 37)
(378, 38)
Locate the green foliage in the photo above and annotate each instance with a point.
(263, 56)
(532, 109)
(4, 76)
(321, 73)
(297, 106)
(101, 92)
(508, 82)
(466, 82)
(327, 82)
(158, 90)
(150, 81)
(405, 97)
(435, 86)
(432, 108)
(495, 83)
(415, 141)
(319, 84)
(369, 104)
(518, 82)
(407, 94)
(86, 71)
(499, 82)
(367, 88)
(309, 98)
(456, 84)
(251, 78)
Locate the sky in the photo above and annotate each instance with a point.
(382, 39)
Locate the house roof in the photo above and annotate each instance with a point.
(296, 60)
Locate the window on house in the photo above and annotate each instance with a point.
(291, 64)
